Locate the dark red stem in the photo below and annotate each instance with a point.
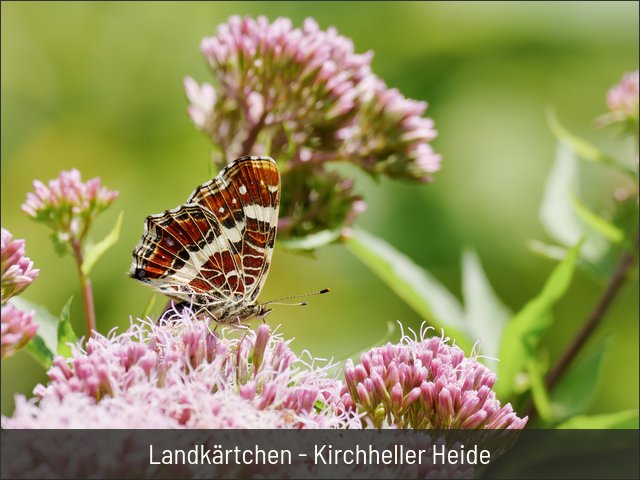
(87, 290)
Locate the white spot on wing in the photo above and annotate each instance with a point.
(221, 210)
(242, 189)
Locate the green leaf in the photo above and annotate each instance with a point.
(522, 334)
(37, 348)
(557, 211)
(485, 314)
(575, 390)
(95, 252)
(582, 148)
(311, 242)
(47, 322)
(553, 252)
(66, 334)
(413, 284)
(598, 224)
(538, 390)
(625, 419)
(601, 270)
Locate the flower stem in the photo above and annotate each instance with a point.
(594, 319)
(87, 290)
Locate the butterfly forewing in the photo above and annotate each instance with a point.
(216, 249)
(246, 198)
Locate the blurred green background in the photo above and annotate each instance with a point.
(98, 86)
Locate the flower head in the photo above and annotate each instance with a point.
(17, 270)
(622, 100)
(305, 97)
(180, 374)
(68, 205)
(16, 329)
(623, 97)
(424, 383)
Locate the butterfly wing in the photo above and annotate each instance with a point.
(217, 247)
(245, 198)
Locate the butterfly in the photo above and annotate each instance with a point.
(214, 251)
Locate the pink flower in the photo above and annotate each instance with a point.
(272, 79)
(180, 374)
(17, 270)
(622, 100)
(67, 204)
(305, 97)
(623, 97)
(424, 383)
(391, 136)
(16, 329)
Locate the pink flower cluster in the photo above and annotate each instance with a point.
(16, 327)
(303, 96)
(424, 383)
(622, 100)
(623, 97)
(67, 204)
(179, 374)
(17, 269)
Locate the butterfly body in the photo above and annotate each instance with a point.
(214, 251)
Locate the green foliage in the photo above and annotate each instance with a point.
(97, 250)
(311, 242)
(557, 212)
(577, 387)
(47, 322)
(485, 314)
(538, 390)
(523, 332)
(66, 335)
(598, 224)
(54, 333)
(38, 349)
(584, 149)
(624, 419)
(566, 218)
(413, 284)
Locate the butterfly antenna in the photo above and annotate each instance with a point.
(280, 301)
